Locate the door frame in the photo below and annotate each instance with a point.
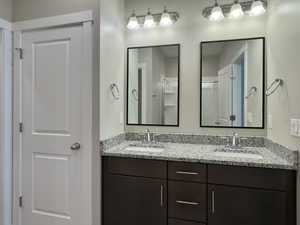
(6, 121)
(89, 120)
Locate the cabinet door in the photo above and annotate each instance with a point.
(243, 206)
(134, 200)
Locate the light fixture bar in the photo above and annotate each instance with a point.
(246, 6)
(157, 16)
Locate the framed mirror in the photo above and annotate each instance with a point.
(232, 83)
(153, 85)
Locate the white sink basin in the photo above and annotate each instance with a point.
(238, 155)
(144, 149)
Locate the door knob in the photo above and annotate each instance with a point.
(75, 146)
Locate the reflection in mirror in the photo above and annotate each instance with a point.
(232, 83)
(153, 85)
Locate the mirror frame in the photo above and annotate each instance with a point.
(263, 81)
(178, 97)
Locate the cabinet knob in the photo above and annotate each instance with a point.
(75, 147)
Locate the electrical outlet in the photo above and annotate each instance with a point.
(295, 127)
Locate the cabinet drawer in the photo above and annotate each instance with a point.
(250, 177)
(187, 201)
(187, 171)
(182, 222)
(135, 167)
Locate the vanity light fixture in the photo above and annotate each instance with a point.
(165, 19)
(236, 10)
(257, 8)
(149, 20)
(216, 13)
(133, 23)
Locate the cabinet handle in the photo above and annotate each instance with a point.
(213, 202)
(161, 195)
(187, 203)
(187, 173)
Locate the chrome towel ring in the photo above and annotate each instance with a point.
(274, 86)
(252, 91)
(134, 93)
(115, 91)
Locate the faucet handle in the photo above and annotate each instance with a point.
(155, 137)
(148, 135)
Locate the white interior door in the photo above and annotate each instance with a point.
(51, 171)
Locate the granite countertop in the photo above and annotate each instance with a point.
(199, 153)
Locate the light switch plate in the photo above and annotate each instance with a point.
(295, 127)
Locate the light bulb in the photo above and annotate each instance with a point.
(216, 13)
(149, 20)
(165, 19)
(257, 8)
(133, 23)
(236, 11)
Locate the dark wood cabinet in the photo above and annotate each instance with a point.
(187, 201)
(244, 206)
(134, 201)
(152, 192)
(194, 172)
(182, 222)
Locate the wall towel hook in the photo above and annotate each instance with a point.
(115, 91)
(274, 86)
(134, 93)
(252, 91)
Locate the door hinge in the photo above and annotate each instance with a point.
(21, 127)
(21, 201)
(21, 52)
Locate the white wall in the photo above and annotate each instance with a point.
(211, 67)
(171, 64)
(230, 53)
(157, 72)
(112, 67)
(32, 9)
(283, 62)
(189, 31)
(145, 59)
(6, 9)
(133, 84)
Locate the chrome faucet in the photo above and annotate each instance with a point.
(148, 135)
(234, 139)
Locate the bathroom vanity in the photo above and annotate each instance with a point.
(186, 189)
